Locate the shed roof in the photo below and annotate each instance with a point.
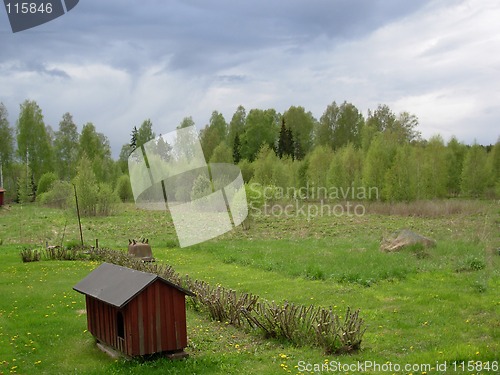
(118, 285)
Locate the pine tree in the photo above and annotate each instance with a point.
(133, 138)
(236, 149)
(285, 142)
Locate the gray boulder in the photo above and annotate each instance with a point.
(405, 237)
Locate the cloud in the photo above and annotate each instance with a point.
(118, 62)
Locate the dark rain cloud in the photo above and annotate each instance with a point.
(194, 36)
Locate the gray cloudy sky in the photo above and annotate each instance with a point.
(117, 62)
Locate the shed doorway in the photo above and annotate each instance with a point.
(120, 325)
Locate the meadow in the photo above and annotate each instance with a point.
(422, 307)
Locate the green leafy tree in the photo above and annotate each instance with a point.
(222, 154)
(406, 127)
(125, 152)
(261, 128)
(317, 172)
(6, 143)
(301, 124)
(400, 128)
(268, 170)
(90, 143)
(213, 134)
(124, 189)
(97, 149)
(33, 143)
(376, 163)
(247, 170)
(400, 178)
(201, 187)
(382, 119)
(145, 133)
(186, 122)
(494, 168)
(107, 200)
(46, 181)
(475, 172)
(236, 127)
(86, 187)
(184, 140)
(163, 149)
(455, 154)
(340, 125)
(263, 166)
(346, 168)
(435, 169)
(66, 148)
(25, 185)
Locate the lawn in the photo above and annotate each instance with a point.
(438, 307)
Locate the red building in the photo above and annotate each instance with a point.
(134, 312)
(2, 192)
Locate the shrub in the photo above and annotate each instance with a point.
(470, 263)
(123, 189)
(247, 170)
(60, 195)
(45, 182)
(201, 187)
(86, 187)
(106, 200)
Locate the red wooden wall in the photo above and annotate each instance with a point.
(154, 320)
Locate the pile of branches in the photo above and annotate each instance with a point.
(52, 253)
(299, 324)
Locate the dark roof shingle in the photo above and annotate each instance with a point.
(118, 285)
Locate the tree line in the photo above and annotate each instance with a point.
(342, 149)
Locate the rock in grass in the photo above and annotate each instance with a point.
(403, 238)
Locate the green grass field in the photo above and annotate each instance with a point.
(435, 307)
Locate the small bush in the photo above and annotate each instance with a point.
(106, 200)
(61, 195)
(124, 189)
(45, 182)
(470, 264)
(247, 170)
(202, 187)
(86, 187)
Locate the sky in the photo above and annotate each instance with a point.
(116, 63)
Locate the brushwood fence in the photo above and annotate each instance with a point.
(299, 324)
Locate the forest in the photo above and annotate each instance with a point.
(343, 150)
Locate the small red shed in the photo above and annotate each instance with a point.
(135, 312)
(2, 192)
